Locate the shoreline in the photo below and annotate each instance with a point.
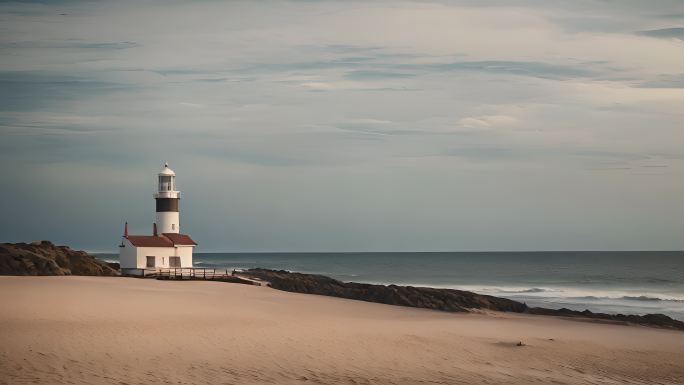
(44, 258)
(99, 330)
(565, 278)
(450, 300)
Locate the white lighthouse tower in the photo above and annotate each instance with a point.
(167, 247)
(167, 197)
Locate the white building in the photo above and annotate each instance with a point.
(166, 247)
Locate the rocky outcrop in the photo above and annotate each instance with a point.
(423, 297)
(660, 320)
(44, 258)
(436, 299)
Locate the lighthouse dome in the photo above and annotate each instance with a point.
(167, 171)
(167, 183)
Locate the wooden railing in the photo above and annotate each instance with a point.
(192, 273)
(179, 273)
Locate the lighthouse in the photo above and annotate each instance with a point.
(167, 197)
(167, 247)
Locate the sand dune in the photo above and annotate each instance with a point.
(101, 330)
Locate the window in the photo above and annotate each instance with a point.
(150, 261)
(173, 226)
(166, 183)
(174, 262)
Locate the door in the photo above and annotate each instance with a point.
(150, 261)
(174, 262)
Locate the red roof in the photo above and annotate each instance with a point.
(180, 239)
(149, 241)
(164, 240)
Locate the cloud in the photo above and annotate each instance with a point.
(664, 81)
(322, 86)
(271, 111)
(375, 75)
(75, 44)
(192, 105)
(382, 68)
(369, 126)
(665, 33)
(522, 68)
(31, 90)
(50, 123)
(487, 121)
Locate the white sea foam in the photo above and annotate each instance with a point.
(567, 292)
(619, 300)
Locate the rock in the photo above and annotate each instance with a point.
(436, 299)
(422, 297)
(659, 320)
(44, 258)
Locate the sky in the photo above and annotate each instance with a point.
(346, 125)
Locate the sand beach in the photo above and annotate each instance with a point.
(109, 330)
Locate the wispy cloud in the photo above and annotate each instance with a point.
(665, 33)
(33, 90)
(76, 44)
(664, 81)
(276, 108)
(522, 68)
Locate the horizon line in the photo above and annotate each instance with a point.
(414, 252)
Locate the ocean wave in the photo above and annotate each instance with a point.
(644, 298)
(647, 298)
(503, 290)
(573, 293)
(530, 290)
(206, 264)
(638, 298)
(498, 290)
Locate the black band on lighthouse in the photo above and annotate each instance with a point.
(167, 204)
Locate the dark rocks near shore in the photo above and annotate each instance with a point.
(422, 297)
(659, 320)
(436, 299)
(44, 258)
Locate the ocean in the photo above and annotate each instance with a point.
(611, 282)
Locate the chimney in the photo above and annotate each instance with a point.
(126, 229)
(154, 229)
